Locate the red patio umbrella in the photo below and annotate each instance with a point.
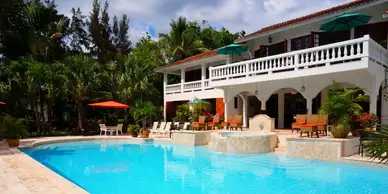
(3, 103)
(109, 104)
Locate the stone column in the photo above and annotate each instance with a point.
(309, 105)
(373, 102)
(384, 108)
(183, 77)
(225, 107)
(281, 108)
(203, 76)
(164, 99)
(245, 109)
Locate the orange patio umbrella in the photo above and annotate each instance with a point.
(109, 104)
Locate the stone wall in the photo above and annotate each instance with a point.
(329, 149)
(192, 138)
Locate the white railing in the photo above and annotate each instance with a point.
(308, 58)
(187, 87)
(170, 89)
(190, 86)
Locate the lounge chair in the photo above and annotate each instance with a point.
(311, 125)
(236, 123)
(161, 127)
(226, 123)
(176, 125)
(322, 124)
(154, 127)
(167, 129)
(200, 124)
(300, 120)
(103, 129)
(214, 123)
(186, 126)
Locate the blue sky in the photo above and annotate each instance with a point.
(153, 16)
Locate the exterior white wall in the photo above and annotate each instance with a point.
(205, 94)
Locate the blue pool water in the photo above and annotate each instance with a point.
(120, 167)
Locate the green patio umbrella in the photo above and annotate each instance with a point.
(345, 22)
(232, 49)
(198, 101)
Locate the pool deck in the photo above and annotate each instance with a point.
(20, 173)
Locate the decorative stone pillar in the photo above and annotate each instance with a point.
(244, 109)
(384, 109)
(281, 108)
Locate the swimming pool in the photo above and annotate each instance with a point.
(122, 167)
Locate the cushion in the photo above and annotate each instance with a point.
(322, 124)
(299, 123)
(235, 123)
(310, 125)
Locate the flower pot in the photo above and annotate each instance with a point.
(368, 128)
(356, 132)
(145, 133)
(340, 130)
(12, 143)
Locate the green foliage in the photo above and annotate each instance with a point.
(134, 129)
(341, 103)
(142, 110)
(378, 146)
(183, 113)
(13, 127)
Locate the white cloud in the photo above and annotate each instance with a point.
(235, 15)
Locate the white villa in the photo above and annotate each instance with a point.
(289, 68)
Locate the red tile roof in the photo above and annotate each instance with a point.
(308, 17)
(192, 58)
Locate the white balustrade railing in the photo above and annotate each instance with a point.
(187, 87)
(318, 56)
(173, 88)
(195, 85)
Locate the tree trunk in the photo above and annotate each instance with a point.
(81, 115)
(125, 124)
(49, 111)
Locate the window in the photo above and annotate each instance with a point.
(300, 43)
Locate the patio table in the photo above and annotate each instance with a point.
(112, 129)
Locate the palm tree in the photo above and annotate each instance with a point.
(136, 79)
(82, 80)
(183, 40)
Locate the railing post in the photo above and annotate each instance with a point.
(247, 69)
(365, 48)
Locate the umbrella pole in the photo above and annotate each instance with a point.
(351, 33)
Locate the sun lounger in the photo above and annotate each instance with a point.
(311, 125)
(200, 124)
(322, 124)
(300, 120)
(154, 127)
(167, 129)
(214, 123)
(161, 127)
(236, 123)
(186, 126)
(226, 123)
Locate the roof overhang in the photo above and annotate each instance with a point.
(295, 23)
(191, 64)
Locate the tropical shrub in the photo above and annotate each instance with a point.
(134, 129)
(13, 128)
(183, 113)
(378, 146)
(341, 102)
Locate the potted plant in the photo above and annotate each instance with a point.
(141, 111)
(12, 129)
(369, 121)
(341, 102)
(134, 130)
(355, 124)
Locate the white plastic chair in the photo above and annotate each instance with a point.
(161, 127)
(166, 129)
(154, 127)
(119, 128)
(186, 125)
(176, 124)
(103, 129)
